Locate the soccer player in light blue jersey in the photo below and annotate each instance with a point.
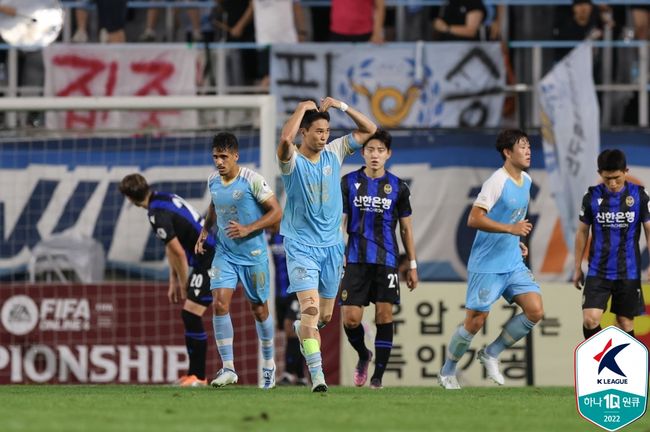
(496, 267)
(243, 205)
(311, 224)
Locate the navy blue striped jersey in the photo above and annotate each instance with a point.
(373, 208)
(616, 220)
(171, 216)
(276, 243)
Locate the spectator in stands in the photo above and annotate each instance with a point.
(237, 21)
(579, 22)
(276, 21)
(81, 32)
(495, 25)
(641, 20)
(459, 20)
(112, 18)
(417, 17)
(149, 34)
(357, 21)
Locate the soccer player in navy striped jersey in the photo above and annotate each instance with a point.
(311, 223)
(178, 225)
(496, 267)
(615, 210)
(242, 206)
(374, 201)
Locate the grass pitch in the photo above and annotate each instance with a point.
(241, 408)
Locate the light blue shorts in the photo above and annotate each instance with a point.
(254, 278)
(314, 267)
(484, 289)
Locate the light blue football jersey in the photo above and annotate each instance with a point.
(312, 214)
(505, 201)
(240, 200)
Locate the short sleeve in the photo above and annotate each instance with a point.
(490, 192)
(287, 167)
(404, 200)
(162, 225)
(586, 216)
(343, 146)
(260, 188)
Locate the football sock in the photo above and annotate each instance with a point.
(196, 341)
(383, 345)
(457, 346)
(356, 337)
(312, 356)
(265, 334)
(516, 328)
(223, 334)
(587, 333)
(292, 357)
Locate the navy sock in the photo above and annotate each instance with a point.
(587, 333)
(196, 341)
(293, 358)
(356, 337)
(383, 346)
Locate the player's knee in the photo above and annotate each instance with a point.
(625, 323)
(259, 312)
(590, 322)
(324, 319)
(475, 323)
(220, 307)
(309, 317)
(384, 317)
(351, 321)
(535, 314)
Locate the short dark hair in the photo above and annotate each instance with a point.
(135, 187)
(225, 141)
(311, 116)
(612, 160)
(381, 135)
(507, 139)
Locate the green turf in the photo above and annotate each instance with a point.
(240, 408)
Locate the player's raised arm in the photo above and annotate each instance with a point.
(365, 127)
(210, 219)
(290, 130)
(478, 219)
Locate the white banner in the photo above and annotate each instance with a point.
(127, 70)
(571, 133)
(429, 316)
(419, 85)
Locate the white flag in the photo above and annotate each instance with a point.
(570, 133)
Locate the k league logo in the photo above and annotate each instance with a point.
(611, 376)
